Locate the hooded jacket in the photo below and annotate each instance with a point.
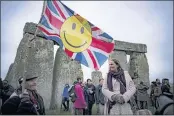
(80, 100)
(65, 92)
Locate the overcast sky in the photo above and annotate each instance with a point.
(147, 22)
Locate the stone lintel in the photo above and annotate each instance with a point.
(119, 45)
(30, 28)
(130, 47)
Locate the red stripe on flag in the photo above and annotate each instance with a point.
(45, 31)
(58, 8)
(53, 20)
(92, 58)
(95, 29)
(69, 53)
(102, 45)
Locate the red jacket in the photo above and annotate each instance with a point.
(80, 100)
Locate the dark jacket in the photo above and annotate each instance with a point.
(1, 87)
(6, 93)
(91, 97)
(165, 88)
(18, 107)
(99, 95)
(85, 93)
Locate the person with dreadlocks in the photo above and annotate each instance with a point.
(118, 88)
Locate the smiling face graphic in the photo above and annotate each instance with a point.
(76, 34)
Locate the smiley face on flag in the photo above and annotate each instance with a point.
(79, 38)
(76, 34)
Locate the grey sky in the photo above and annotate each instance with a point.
(147, 22)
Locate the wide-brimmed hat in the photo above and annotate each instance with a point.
(28, 78)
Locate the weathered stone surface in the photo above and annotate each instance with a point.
(130, 47)
(119, 45)
(8, 76)
(38, 60)
(96, 75)
(20, 61)
(121, 57)
(41, 62)
(139, 65)
(65, 71)
(31, 28)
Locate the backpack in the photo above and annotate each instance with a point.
(157, 91)
(72, 93)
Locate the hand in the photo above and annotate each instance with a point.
(25, 96)
(121, 100)
(116, 97)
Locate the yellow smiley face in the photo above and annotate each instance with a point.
(76, 34)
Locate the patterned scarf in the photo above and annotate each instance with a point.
(38, 101)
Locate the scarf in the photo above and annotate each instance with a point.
(119, 76)
(37, 100)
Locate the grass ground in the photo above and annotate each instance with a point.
(56, 112)
(94, 111)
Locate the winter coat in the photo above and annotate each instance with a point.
(65, 92)
(17, 107)
(165, 106)
(130, 91)
(142, 94)
(157, 90)
(165, 88)
(6, 93)
(99, 95)
(91, 96)
(80, 100)
(85, 94)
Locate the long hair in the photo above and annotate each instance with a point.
(117, 63)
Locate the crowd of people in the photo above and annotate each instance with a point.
(16, 102)
(116, 94)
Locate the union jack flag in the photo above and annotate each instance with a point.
(79, 38)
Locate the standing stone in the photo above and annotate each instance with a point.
(18, 67)
(139, 66)
(65, 71)
(8, 76)
(96, 75)
(121, 57)
(39, 62)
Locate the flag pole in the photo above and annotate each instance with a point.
(28, 50)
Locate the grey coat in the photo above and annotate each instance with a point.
(99, 95)
(142, 94)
